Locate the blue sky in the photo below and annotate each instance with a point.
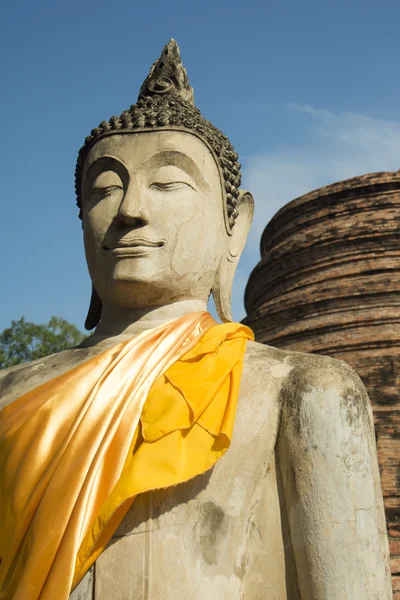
(308, 92)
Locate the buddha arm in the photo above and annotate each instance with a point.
(331, 485)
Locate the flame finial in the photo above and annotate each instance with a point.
(168, 76)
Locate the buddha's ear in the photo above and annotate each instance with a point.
(94, 312)
(222, 288)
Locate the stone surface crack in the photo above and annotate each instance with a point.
(153, 530)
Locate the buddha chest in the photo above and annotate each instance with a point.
(216, 536)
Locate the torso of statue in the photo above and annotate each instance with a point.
(230, 533)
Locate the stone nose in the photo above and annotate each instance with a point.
(134, 209)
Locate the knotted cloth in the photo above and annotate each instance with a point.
(148, 413)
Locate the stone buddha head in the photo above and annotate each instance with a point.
(163, 217)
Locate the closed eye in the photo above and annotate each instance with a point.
(107, 190)
(170, 185)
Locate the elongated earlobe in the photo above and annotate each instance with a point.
(94, 312)
(222, 288)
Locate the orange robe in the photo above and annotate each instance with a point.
(148, 413)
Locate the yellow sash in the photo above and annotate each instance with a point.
(148, 413)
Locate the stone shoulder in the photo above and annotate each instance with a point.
(304, 371)
(18, 380)
(307, 365)
(322, 391)
(295, 371)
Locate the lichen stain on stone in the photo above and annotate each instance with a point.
(354, 406)
(213, 527)
(240, 570)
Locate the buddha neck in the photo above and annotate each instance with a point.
(120, 323)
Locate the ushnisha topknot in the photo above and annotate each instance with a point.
(166, 100)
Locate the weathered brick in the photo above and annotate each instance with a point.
(393, 529)
(394, 545)
(395, 564)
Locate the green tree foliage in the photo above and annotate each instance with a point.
(25, 341)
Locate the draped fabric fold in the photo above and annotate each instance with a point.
(148, 413)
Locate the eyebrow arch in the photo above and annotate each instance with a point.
(180, 160)
(107, 163)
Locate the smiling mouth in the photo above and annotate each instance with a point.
(134, 246)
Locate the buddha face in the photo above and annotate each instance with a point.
(153, 218)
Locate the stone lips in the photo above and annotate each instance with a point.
(329, 282)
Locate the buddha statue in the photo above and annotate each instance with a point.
(278, 498)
